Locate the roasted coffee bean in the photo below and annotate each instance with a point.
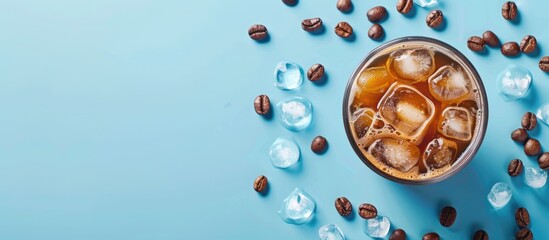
(262, 104)
(524, 234)
(532, 147)
(544, 64)
(491, 39)
(311, 24)
(480, 235)
(404, 6)
(543, 161)
(319, 144)
(344, 29)
(515, 167)
(344, 5)
(510, 49)
(431, 236)
(260, 183)
(315, 72)
(434, 18)
(475, 43)
(343, 206)
(376, 31)
(367, 211)
(290, 2)
(519, 135)
(522, 217)
(257, 32)
(398, 234)
(448, 216)
(376, 14)
(528, 44)
(529, 121)
(509, 10)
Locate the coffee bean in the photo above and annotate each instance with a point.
(544, 64)
(524, 234)
(532, 147)
(319, 144)
(528, 44)
(376, 14)
(262, 104)
(260, 183)
(519, 135)
(480, 235)
(367, 211)
(448, 216)
(257, 32)
(510, 49)
(509, 10)
(475, 43)
(529, 121)
(311, 24)
(344, 29)
(543, 161)
(434, 18)
(404, 6)
(431, 236)
(515, 167)
(344, 5)
(315, 72)
(376, 31)
(398, 234)
(343, 206)
(491, 39)
(290, 2)
(522, 217)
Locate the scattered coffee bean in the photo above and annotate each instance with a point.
(522, 217)
(509, 10)
(315, 72)
(519, 135)
(343, 206)
(529, 121)
(431, 236)
(475, 43)
(434, 18)
(260, 183)
(543, 161)
(257, 32)
(376, 14)
(398, 234)
(344, 29)
(532, 147)
(367, 211)
(515, 167)
(480, 235)
(311, 24)
(510, 49)
(290, 2)
(448, 216)
(376, 31)
(491, 39)
(524, 234)
(262, 104)
(344, 5)
(528, 44)
(544, 64)
(404, 6)
(319, 144)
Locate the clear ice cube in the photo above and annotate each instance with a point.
(499, 195)
(288, 75)
(514, 82)
(330, 232)
(456, 123)
(448, 84)
(440, 152)
(284, 153)
(411, 65)
(535, 177)
(296, 113)
(426, 3)
(543, 114)
(375, 79)
(397, 153)
(377, 227)
(297, 208)
(361, 120)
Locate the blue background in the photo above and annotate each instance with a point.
(133, 119)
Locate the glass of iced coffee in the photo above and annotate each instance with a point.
(415, 110)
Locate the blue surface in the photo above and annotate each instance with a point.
(134, 120)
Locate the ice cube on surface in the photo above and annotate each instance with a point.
(375, 79)
(330, 232)
(411, 65)
(456, 123)
(297, 208)
(499, 195)
(514, 82)
(543, 114)
(426, 3)
(440, 152)
(295, 113)
(448, 84)
(361, 120)
(288, 76)
(535, 177)
(397, 153)
(284, 153)
(377, 227)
